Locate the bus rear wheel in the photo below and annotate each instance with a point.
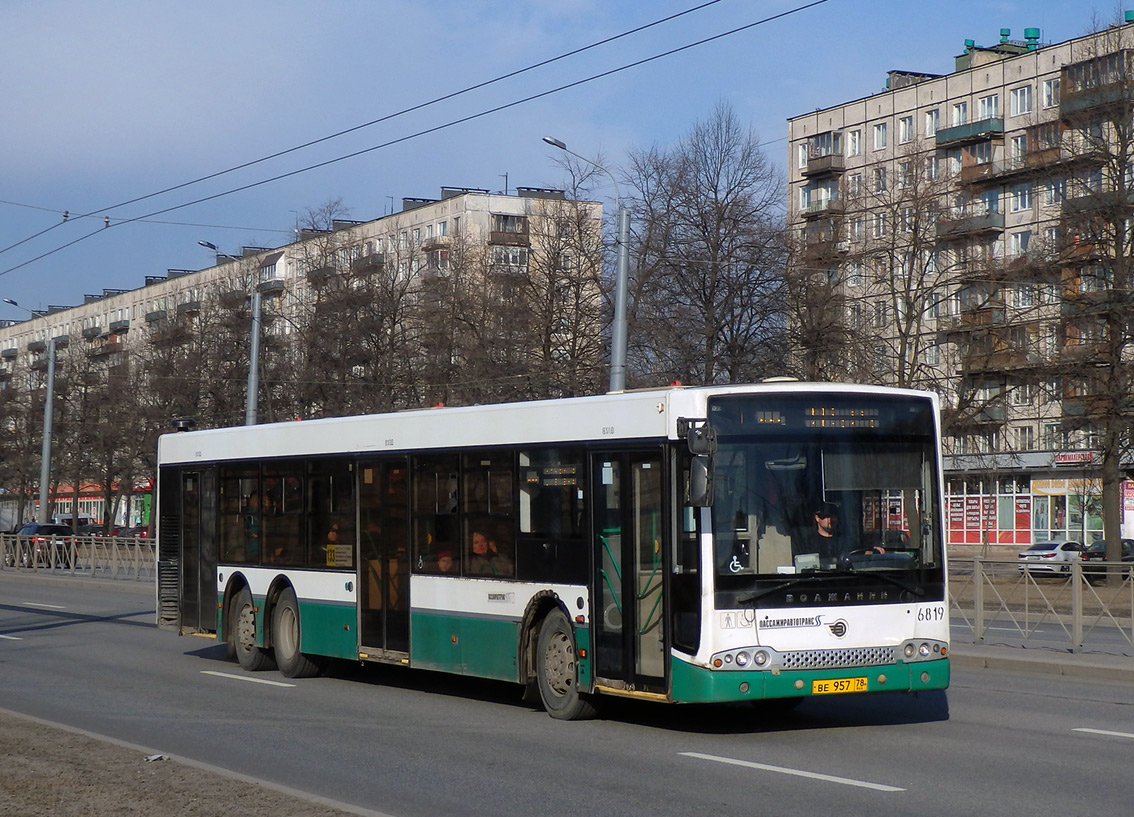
(242, 631)
(285, 639)
(557, 671)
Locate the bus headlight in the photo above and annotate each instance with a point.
(742, 659)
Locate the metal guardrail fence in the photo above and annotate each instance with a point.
(1084, 605)
(102, 557)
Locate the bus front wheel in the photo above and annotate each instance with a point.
(285, 639)
(557, 671)
(242, 631)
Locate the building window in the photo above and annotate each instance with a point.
(1018, 242)
(854, 184)
(905, 174)
(514, 257)
(905, 129)
(880, 224)
(1050, 93)
(932, 120)
(932, 355)
(442, 228)
(854, 143)
(509, 224)
(854, 274)
(1021, 198)
(880, 138)
(879, 180)
(802, 161)
(988, 107)
(1021, 100)
(932, 168)
(960, 113)
(1018, 148)
(1054, 192)
(1025, 438)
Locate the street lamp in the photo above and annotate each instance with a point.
(48, 413)
(252, 390)
(621, 276)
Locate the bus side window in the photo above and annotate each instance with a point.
(436, 538)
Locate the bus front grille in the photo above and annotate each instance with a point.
(834, 659)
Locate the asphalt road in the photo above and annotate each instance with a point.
(412, 744)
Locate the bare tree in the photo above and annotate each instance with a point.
(709, 286)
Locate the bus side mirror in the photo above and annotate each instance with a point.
(701, 481)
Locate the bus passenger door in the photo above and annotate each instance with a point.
(629, 612)
(383, 563)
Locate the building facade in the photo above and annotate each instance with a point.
(971, 233)
(470, 297)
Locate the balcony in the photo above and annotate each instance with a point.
(92, 332)
(978, 416)
(156, 315)
(120, 326)
(37, 346)
(189, 308)
(111, 346)
(822, 208)
(960, 222)
(1004, 360)
(971, 132)
(320, 275)
(11, 353)
(1100, 82)
(270, 286)
(829, 163)
(509, 238)
(368, 264)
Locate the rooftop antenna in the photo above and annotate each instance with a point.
(504, 176)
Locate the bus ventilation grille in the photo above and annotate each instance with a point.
(832, 659)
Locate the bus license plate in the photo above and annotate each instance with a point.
(833, 685)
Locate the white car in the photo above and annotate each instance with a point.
(1050, 557)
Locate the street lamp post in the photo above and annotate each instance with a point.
(252, 390)
(48, 416)
(621, 276)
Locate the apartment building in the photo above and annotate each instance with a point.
(160, 336)
(971, 233)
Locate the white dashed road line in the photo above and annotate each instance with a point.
(846, 781)
(11, 638)
(1106, 732)
(37, 604)
(245, 678)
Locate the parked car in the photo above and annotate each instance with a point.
(1094, 556)
(37, 541)
(1050, 557)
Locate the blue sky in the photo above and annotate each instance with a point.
(105, 102)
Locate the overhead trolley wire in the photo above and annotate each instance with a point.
(452, 95)
(426, 131)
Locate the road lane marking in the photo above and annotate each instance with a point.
(48, 606)
(1106, 732)
(846, 781)
(245, 678)
(11, 638)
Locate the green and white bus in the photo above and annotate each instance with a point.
(769, 541)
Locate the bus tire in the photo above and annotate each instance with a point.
(557, 671)
(285, 639)
(243, 630)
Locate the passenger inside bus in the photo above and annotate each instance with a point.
(486, 559)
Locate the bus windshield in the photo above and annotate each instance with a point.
(832, 484)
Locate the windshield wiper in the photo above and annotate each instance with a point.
(784, 585)
(827, 577)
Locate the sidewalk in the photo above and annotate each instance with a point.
(1099, 666)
